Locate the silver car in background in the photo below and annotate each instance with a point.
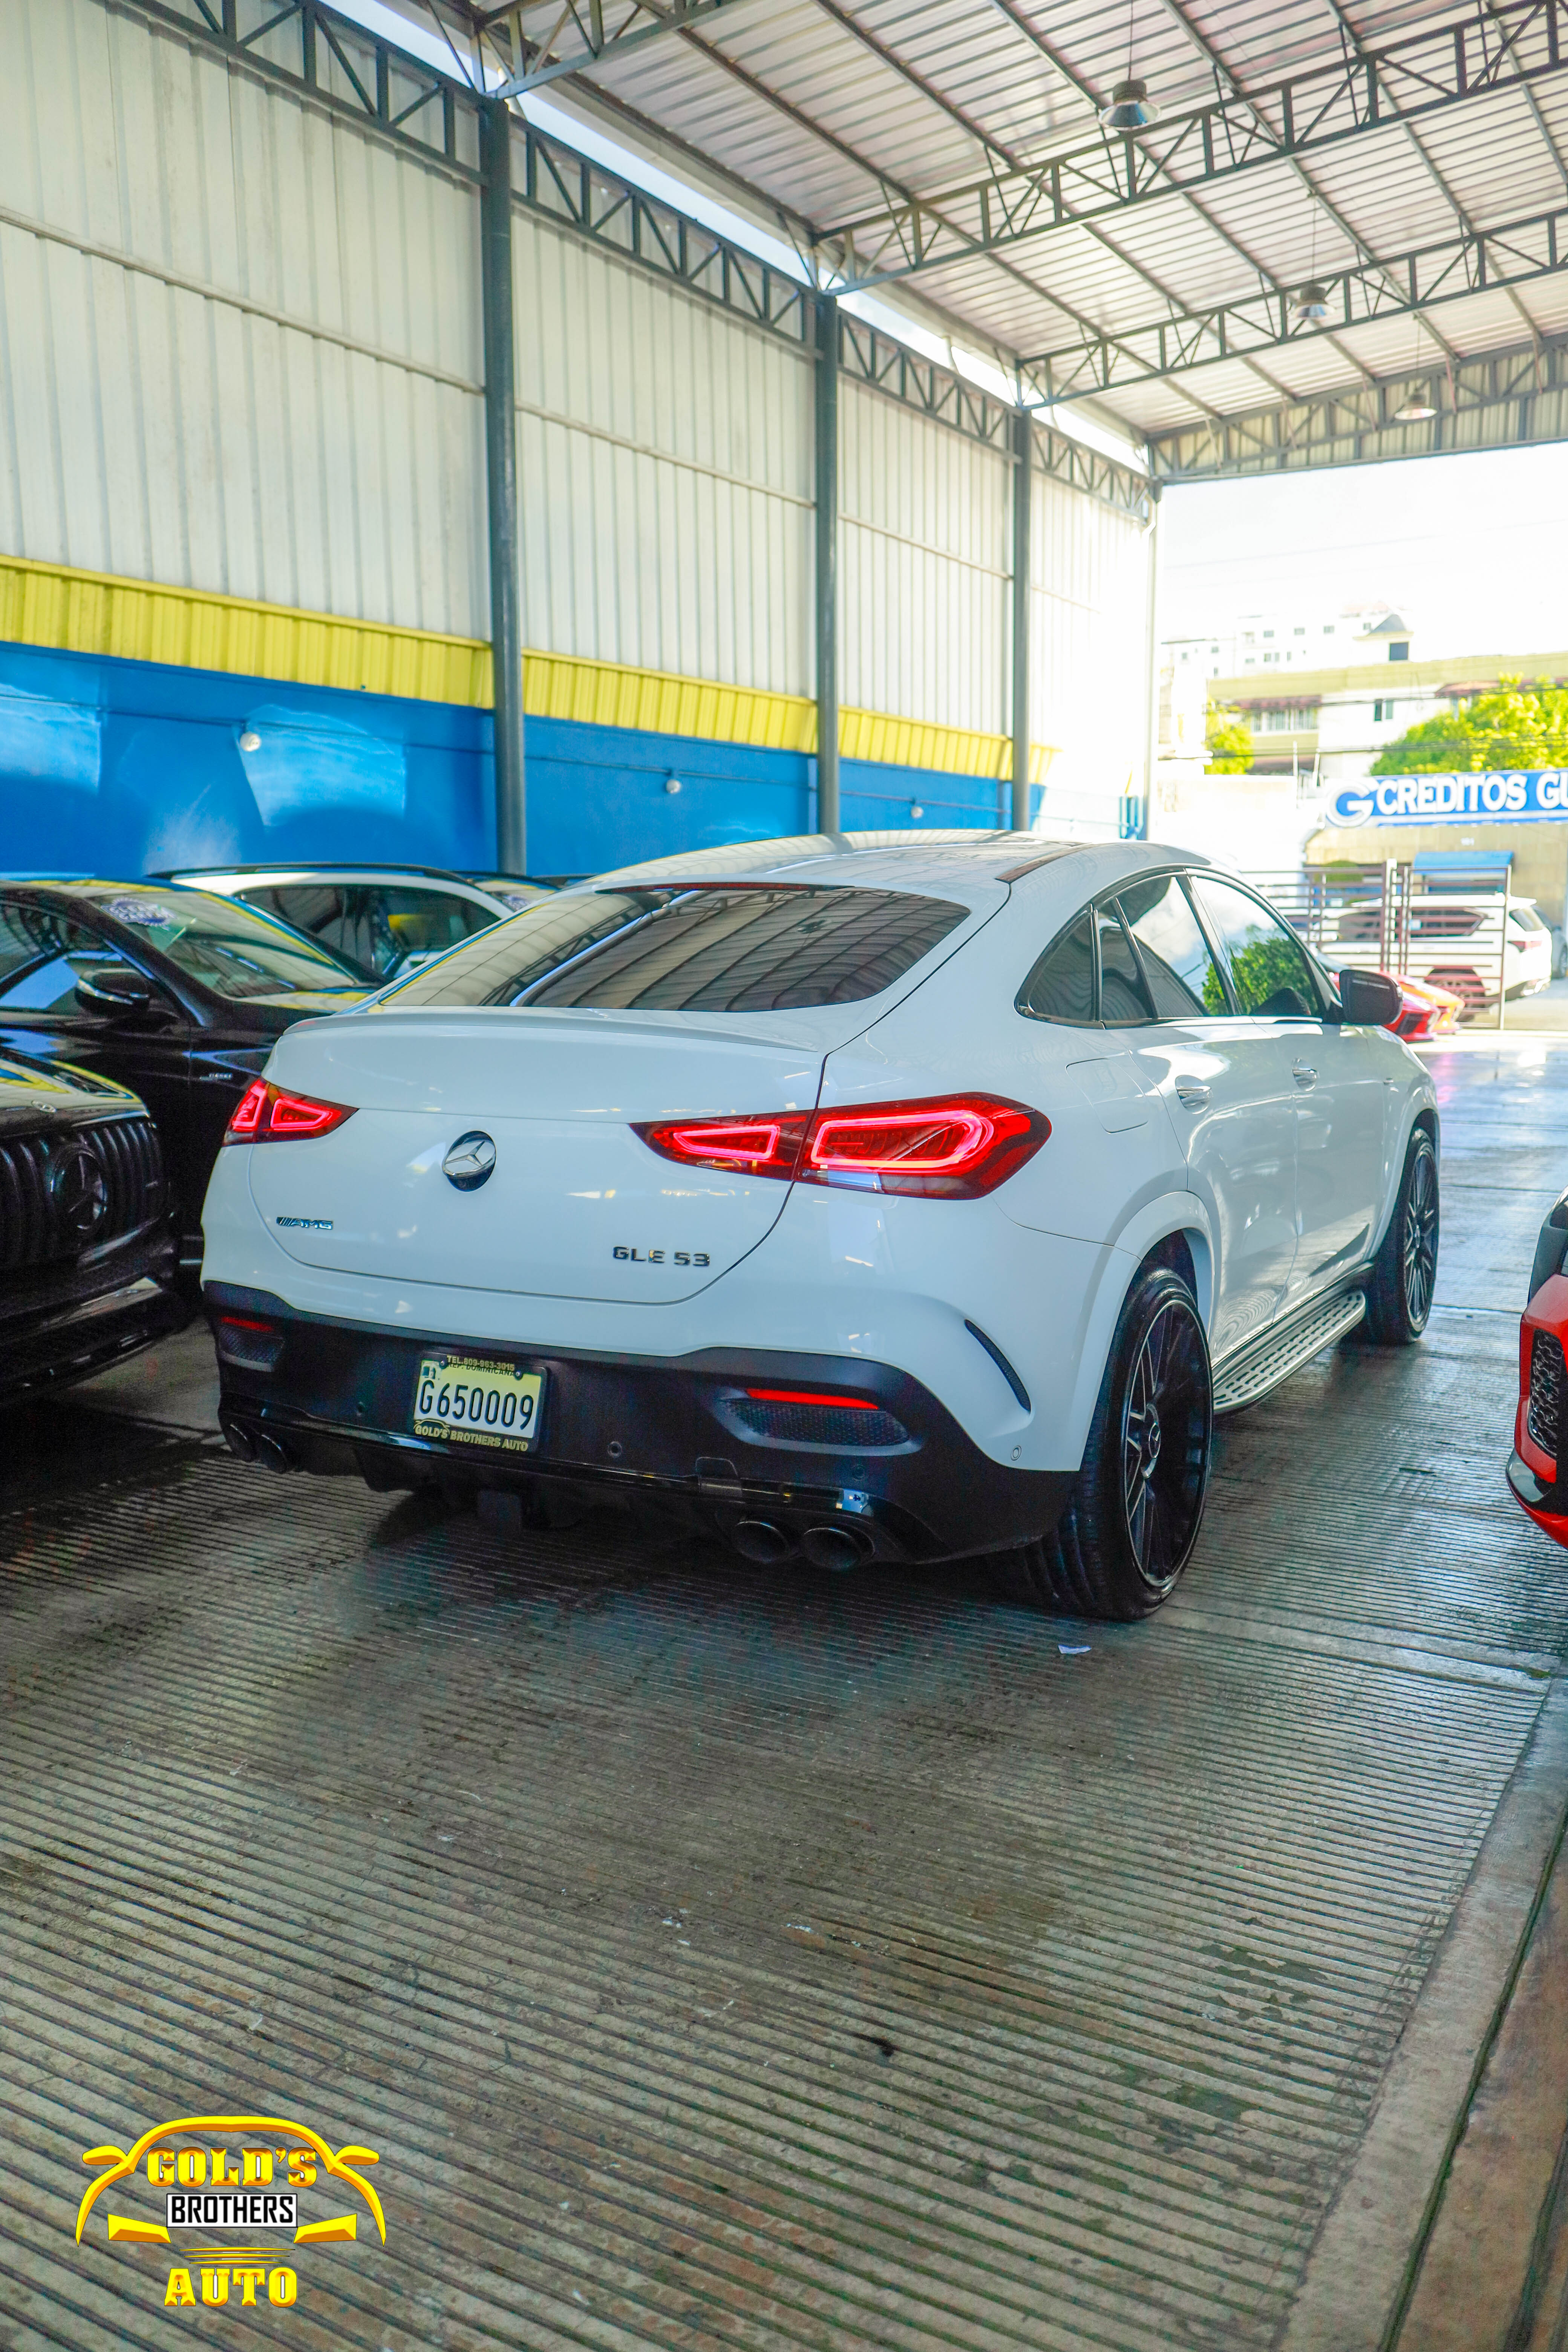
(384, 921)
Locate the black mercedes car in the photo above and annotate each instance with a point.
(174, 992)
(87, 1262)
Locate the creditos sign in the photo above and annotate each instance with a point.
(1503, 796)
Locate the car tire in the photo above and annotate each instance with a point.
(1405, 1271)
(1138, 1502)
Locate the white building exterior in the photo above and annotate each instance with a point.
(1285, 640)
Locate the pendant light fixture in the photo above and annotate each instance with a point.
(1416, 408)
(1312, 302)
(1131, 110)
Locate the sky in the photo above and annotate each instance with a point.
(1471, 550)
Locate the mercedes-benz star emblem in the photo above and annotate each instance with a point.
(471, 1162)
(78, 1189)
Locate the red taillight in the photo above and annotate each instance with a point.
(954, 1146)
(245, 1124)
(266, 1114)
(754, 1147)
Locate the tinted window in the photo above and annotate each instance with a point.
(1268, 968)
(378, 927)
(1121, 997)
(717, 949)
(1062, 986)
(1178, 964)
(42, 955)
(227, 948)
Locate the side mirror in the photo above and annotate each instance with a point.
(1370, 996)
(115, 988)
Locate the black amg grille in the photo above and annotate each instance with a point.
(1544, 1418)
(32, 1231)
(842, 1428)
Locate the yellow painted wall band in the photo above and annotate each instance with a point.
(70, 610)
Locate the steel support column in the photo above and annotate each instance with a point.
(1023, 511)
(500, 469)
(827, 488)
(1151, 710)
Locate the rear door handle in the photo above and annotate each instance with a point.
(1192, 1094)
(1304, 1074)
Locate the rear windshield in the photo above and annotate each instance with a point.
(715, 949)
(227, 948)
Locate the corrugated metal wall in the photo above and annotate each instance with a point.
(925, 567)
(1090, 584)
(665, 454)
(282, 400)
(240, 352)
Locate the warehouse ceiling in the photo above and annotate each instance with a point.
(1408, 163)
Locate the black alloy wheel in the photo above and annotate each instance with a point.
(1405, 1271)
(1138, 1502)
(1164, 1443)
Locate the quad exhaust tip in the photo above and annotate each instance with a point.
(759, 1539)
(256, 1446)
(837, 1548)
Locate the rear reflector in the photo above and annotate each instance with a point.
(249, 1346)
(266, 1114)
(811, 1396)
(952, 1147)
(825, 1424)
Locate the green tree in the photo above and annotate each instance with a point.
(1509, 727)
(1228, 740)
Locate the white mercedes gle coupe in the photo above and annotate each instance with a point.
(860, 1196)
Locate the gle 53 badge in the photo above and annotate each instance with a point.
(236, 2199)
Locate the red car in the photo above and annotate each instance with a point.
(1539, 1429)
(1425, 1010)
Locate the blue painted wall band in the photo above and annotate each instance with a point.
(124, 766)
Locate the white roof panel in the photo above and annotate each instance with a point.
(840, 111)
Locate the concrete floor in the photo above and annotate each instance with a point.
(718, 1958)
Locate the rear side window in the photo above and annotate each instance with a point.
(710, 948)
(1121, 999)
(1138, 956)
(1178, 964)
(1062, 986)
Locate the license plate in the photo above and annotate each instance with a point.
(472, 1401)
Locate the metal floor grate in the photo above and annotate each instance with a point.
(776, 1964)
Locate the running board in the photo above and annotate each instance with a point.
(1278, 1353)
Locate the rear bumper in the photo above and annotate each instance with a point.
(339, 1400)
(89, 1323)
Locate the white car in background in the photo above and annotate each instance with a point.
(1455, 945)
(902, 1199)
(383, 921)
